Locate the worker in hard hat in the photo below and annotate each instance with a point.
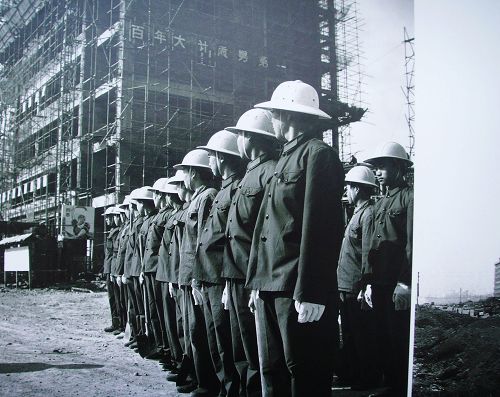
(256, 144)
(358, 355)
(110, 237)
(131, 271)
(295, 248)
(167, 275)
(122, 240)
(225, 162)
(389, 266)
(117, 220)
(197, 178)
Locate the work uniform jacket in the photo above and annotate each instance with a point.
(212, 240)
(242, 216)
(108, 250)
(116, 249)
(169, 255)
(140, 244)
(122, 249)
(128, 269)
(390, 255)
(196, 215)
(299, 228)
(355, 247)
(153, 240)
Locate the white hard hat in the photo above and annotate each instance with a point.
(295, 96)
(224, 142)
(194, 158)
(362, 175)
(117, 210)
(162, 185)
(109, 211)
(255, 120)
(143, 193)
(389, 150)
(126, 202)
(177, 178)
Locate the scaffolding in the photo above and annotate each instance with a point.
(99, 97)
(409, 89)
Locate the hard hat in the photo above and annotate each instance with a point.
(109, 211)
(255, 120)
(177, 178)
(126, 202)
(117, 210)
(162, 185)
(295, 96)
(389, 150)
(362, 175)
(194, 158)
(224, 142)
(143, 193)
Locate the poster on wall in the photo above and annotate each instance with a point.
(77, 222)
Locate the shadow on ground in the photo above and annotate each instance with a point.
(11, 368)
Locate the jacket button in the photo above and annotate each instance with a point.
(230, 237)
(269, 194)
(216, 201)
(263, 238)
(230, 219)
(381, 222)
(379, 236)
(206, 229)
(201, 244)
(267, 216)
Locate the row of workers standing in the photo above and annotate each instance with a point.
(235, 290)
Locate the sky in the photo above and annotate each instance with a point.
(457, 147)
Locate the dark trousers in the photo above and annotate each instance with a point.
(120, 302)
(205, 372)
(393, 335)
(172, 317)
(244, 338)
(187, 366)
(136, 299)
(115, 317)
(359, 356)
(296, 359)
(132, 307)
(155, 310)
(219, 339)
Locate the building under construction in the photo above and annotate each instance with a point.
(99, 97)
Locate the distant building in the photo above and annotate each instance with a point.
(497, 279)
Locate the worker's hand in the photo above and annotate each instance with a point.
(401, 297)
(119, 280)
(171, 289)
(197, 295)
(141, 278)
(254, 295)
(224, 299)
(308, 312)
(368, 295)
(124, 279)
(111, 279)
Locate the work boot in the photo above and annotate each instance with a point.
(117, 332)
(202, 392)
(187, 388)
(111, 328)
(130, 342)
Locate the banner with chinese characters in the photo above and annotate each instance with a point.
(77, 222)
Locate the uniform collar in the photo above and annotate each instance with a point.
(198, 191)
(228, 181)
(258, 161)
(362, 207)
(391, 192)
(294, 143)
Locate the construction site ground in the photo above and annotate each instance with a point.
(456, 354)
(52, 344)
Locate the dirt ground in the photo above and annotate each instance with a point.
(456, 355)
(52, 343)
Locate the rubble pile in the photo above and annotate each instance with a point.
(456, 354)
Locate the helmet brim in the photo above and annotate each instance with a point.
(210, 149)
(297, 108)
(236, 130)
(373, 160)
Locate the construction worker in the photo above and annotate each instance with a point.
(168, 273)
(197, 178)
(120, 258)
(295, 248)
(150, 341)
(388, 273)
(359, 357)
(256, 144)
(152, 241)
(114, 276)
(131, 274)
(111, 233)
(225, 162)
